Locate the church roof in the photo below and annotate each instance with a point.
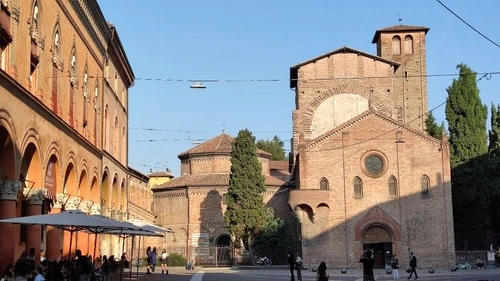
(294, 69)
(219, 145)
(211, 180)
(339, 129)
(398, 28)
(161, 174)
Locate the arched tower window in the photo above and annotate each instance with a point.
(425, 186)
(358, 187)
(323, 184)
(95, 99)
(408, 44)
(393, 186)
(396, 45)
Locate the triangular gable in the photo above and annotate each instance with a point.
(360, 118)
(294, 69)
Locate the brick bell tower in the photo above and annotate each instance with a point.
(406, 45)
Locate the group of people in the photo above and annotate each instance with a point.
(79, 268)
(296, 263)
(368, 261)
(153, 258)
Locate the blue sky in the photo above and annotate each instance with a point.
(236, 43)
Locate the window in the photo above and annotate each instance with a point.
(392, 186)
(85, 96)
(358, 187)
(323, 184)
(73, 85)
(396, 45)
(374, 164)
(425, 186)
(408, 44)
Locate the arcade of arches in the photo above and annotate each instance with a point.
(41, 180)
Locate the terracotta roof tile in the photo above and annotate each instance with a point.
(160, 174)
(220, 179)
(279, 165)
(396, 28)
(221, 144)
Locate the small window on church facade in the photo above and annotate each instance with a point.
(408, 44)
(396, 45)
(358, 187)
(393, 187)
(425, 186)
(323, 184)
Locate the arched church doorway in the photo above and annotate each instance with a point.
(224, 250)
(378, 240)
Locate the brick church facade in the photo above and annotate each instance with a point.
(367, 175)
(364, 173)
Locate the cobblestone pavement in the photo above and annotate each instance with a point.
(281, 274)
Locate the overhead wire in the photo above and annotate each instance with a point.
(469, 25)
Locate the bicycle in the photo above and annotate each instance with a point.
(465, 265)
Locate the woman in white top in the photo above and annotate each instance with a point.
(163, 262)
(298, 266)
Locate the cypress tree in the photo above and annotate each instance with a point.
(494, 134)
(466, 117)
(246, 213)
(432, 128)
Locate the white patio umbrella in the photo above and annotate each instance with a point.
(148, 226)
(72, 221)
(131, 233)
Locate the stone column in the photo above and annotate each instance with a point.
(9, 233)
(34, 200)
(54, 235)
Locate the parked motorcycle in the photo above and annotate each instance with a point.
(262, 261)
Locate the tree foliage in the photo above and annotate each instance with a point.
(246, 213)
(432, 128)
(274, 146)
(275, 236)
(471, 182)
(466, 117)
(494, 133)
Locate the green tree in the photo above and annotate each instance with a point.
(432, 128)
(274, 146)
(466, 117)
(494, 133)
(246, 213)
(275, 237)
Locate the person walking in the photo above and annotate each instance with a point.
(413, 266)
(367, 260)
(149, 255)
(321, 275)
(395, 267)
(298, 265)
(163, 261)
(291, 263)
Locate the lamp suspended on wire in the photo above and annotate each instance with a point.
(198, 85)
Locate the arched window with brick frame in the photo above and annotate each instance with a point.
(72, 85)
(323, 184)
(408, 44)
(396, 45)
(425, 186)
(393, 186)
(358, 187)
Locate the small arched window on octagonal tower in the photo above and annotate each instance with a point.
(323, 184)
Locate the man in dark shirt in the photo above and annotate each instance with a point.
(291, 263)
(368, 261)
(413, 265)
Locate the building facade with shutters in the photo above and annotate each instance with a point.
(63, 122)
(367, 176)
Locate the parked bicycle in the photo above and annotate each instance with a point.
(465, 265)
(262, 261)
